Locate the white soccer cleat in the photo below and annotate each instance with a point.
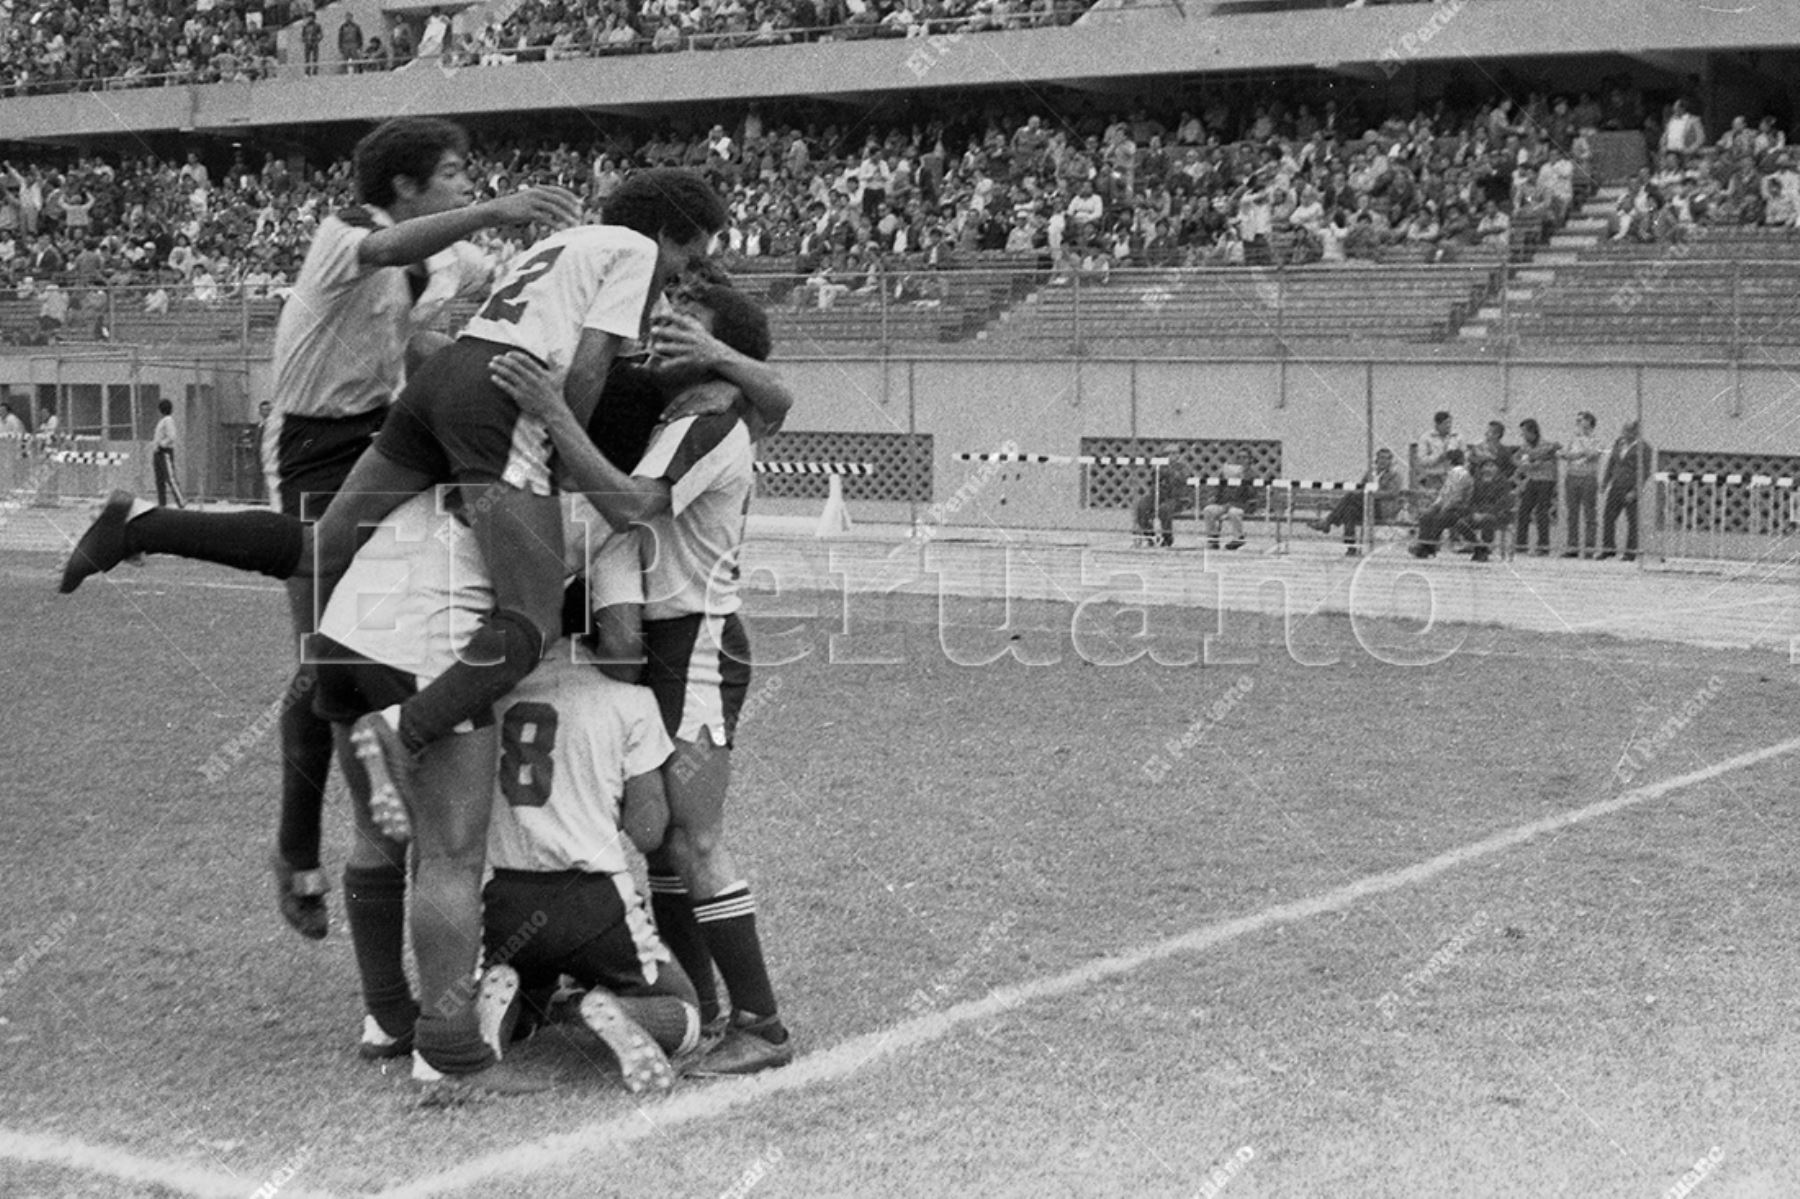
(642, 1063)
(497, 1007)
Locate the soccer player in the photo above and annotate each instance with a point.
(341, 350)
(691, 492)
(581, 755)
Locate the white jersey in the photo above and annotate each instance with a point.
(419, 587)
(570, 738)
(588, 277)
(340, 344)
(692, 549)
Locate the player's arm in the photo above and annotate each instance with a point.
(621, 498)
(619, 631)
(586, 380)
(644, 814)
(417, 239)
(683, 341)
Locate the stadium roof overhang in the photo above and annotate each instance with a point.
(1112, 50)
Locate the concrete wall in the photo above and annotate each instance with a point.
(1326, 414)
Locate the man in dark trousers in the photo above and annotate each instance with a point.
(1621, 479)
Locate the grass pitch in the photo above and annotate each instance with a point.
(1591, 1013)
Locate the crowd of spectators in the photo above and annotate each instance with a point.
(1748, 176)
(70, 45)
(67, 45)
(1244, 175)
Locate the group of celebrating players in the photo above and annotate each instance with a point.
(511, 561)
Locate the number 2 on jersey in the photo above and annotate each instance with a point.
(527, 740)
(500, 305)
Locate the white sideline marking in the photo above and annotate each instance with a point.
(843, 1060)
(131, 1167)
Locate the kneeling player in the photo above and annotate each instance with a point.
(581, 756)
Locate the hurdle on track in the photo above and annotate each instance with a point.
(835, 518)
(834, 469)
(41, 471)
(1692, 513)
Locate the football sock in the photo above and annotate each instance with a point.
(446, 926)
(673, 1023)
(681, 933)
(728, 922)
(265, 542)
(375, 903)
(305, 765)
(502, 652)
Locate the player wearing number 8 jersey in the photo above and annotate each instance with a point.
(581, 755)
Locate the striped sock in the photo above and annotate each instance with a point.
(681, 932)
(728, 921)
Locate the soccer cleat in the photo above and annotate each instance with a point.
(498, 1081)
(642, 1063)
(102, 547)
(1236, 543)
(376, 1045)
(497, 1007)
(300, 895)
(745, 1049)
(390, 767)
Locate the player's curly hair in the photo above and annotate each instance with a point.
(409, 146)
(669, 200)
(738, 321)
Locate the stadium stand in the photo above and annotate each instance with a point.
(75, 45)
(855, 235)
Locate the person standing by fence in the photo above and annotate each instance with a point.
(1582, 455)
(1537, 465)
(1627, 469)
(162, 456)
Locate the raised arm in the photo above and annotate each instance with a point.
(417, 239)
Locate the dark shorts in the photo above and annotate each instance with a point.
(546, 923)
(453, 425)
(313, 456)
(349, 685)
(698, 667)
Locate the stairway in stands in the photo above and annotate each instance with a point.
(1243, 309)
(1584, 230)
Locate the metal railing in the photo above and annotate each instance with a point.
(1001, 304)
